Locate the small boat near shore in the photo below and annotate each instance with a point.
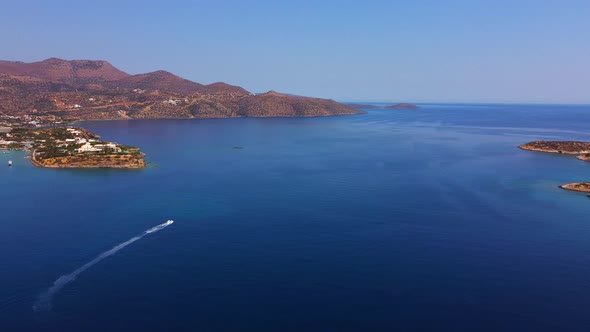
(10, 163)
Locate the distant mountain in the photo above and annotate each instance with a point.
(393, 106)
(94, 89)
(221, 87)
(363, 106)
(282, 105)
(159, 80)
(403, 106)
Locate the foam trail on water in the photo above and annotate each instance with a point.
(159, 227)
(44, 300)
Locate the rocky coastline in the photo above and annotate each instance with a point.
(579, 186)
(580, 149)
(91, 161)
(560, 147)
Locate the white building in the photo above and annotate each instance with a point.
(174, 102)
(114, 147)
(73, 131)
(88, 148)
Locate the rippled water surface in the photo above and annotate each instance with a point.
(393, 220)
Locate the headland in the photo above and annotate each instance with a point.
(71, 148)
(562, 147)
(580, 186)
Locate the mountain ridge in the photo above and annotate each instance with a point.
(95, 89)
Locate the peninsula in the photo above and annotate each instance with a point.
(71, 148)
(580, 186)
(581, 149)
(564, 147)
(62, 90)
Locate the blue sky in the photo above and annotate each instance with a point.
(415, 51)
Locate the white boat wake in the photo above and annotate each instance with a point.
(43, 302)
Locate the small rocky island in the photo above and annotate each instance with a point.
(71, 148)
(402, 106)
(581, 149)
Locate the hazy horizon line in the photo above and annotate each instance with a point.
(459, 102)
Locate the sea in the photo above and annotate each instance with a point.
(393, 220)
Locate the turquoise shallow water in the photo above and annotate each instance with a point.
(392, 220)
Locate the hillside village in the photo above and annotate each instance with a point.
(7, 122)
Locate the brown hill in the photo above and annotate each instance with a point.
(27, 93)
(74, 72)
(159, 80)
(282, 105)
(221, 87)
(84, 90)
(16, 84)
(164, 81)
(98, 75)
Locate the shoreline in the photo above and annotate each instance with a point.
(572, 148)
(36, 163)
(573, 153)
(558, 147)
(81, 121)
(583, 187)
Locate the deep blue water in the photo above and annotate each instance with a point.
(393, 220)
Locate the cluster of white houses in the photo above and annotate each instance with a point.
(89, 145)
(7, 122)
(75, 142)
